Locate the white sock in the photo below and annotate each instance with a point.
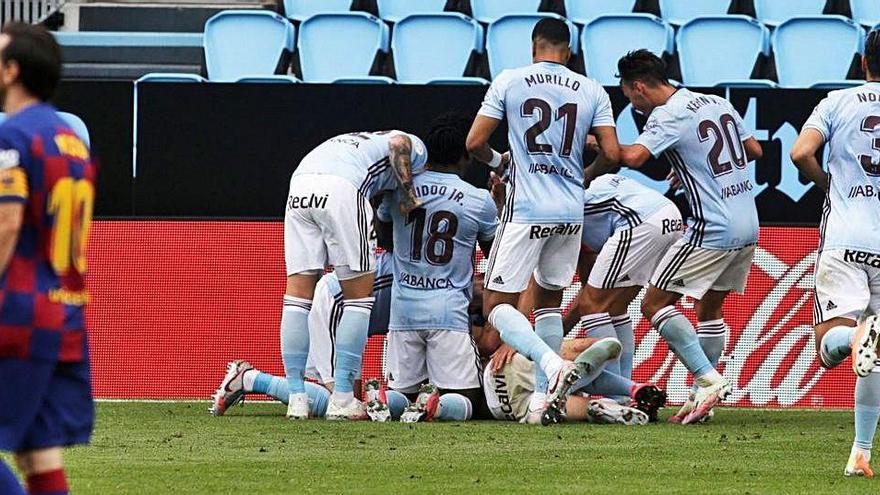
(342, 398)
(247, 381)
(537, 401)
(865, 452)
(711, 377)
(551, 363)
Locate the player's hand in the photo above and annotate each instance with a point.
(501, 358)
(505, 160)
(497, 188)
(674, 181)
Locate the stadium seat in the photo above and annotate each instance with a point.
(395, 10)
(276, 79)
(584, 11)
(775, 12)
(866, 12)
(365, 80)
(797, 42)
(340, 46)
(740, 38)
(300, 10)
(679, 12)
(242, 43)
(849, 83)
(489, 11)
(607, 38)
(170, 77)
(509, 41)
(417, 37)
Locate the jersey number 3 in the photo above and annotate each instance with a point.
(71, 202)
(567, 112)
(442, 228)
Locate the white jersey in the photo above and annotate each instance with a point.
(615, 202)
(849, 119)
(549, 110)
(702, 137)
(362, 159)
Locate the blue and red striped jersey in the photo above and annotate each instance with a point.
(44, 165)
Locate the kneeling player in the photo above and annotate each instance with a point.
(431, 355)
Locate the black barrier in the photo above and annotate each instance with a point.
(227, 150)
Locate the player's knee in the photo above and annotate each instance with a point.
(650, 308)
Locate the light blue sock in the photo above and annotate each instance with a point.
(264, 382)
(624, 329)
(397, 402)
(548, 327)
(9, 484)
(599, 326)
(276, 387)
(867, 410)
(516, 331)
(319, 397)
(454, 407)
(295, 341)
(351, 337)
(610, 385)
(836, 345)
(712, 335)
(678, 332)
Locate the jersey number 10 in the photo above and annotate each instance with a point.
(71, 203)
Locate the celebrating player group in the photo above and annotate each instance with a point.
(461, 344)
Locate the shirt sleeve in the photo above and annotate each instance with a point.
(488, 219)
(821, 119)
(604, 116)
(493, 102)
(13, 177)
(744, 132)
(662, 131)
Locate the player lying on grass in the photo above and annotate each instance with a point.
(327, 222)
(705, 140)
(323, 322)
(431, 358)
(848, 271)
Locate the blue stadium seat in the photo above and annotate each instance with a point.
(775, 12)
(866, 12)
(607, 38)
(701, 42)
(797, 43)
(276, 79)
(489, 11)
(300, 10)
(166, 77)
(509, 41)
(395, 10)
(242, 43)
(584, 11)
(679, 12)
(417, 59)
(340, 46)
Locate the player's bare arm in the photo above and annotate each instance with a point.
(400, 155)
(634, 155)
(753, 148)
(478, 142)
(609, 152)
(803, 154)
(11, 215)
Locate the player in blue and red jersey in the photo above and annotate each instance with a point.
(46, 197)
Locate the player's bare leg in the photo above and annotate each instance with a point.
(43, 470)
(351, 337)
(658, 307)
(295, 339)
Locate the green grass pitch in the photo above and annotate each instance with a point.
(158, 448)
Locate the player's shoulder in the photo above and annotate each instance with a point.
(856, 94)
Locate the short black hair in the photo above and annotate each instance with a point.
(872, 52)
(446, 141)
(642, 65)
(553, 30)
(38, 56)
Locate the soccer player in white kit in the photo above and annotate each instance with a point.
(848, 268)
(549, 111)
(706, 142)
(327, 222)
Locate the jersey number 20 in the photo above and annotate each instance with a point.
(442, 228)
(71, 202)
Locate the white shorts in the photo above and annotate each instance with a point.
(521, 249)
(629, 257)
(327, 222)
(323, 321)
(509, 392)
(693, 271)
(445, 358)
(847, 285)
